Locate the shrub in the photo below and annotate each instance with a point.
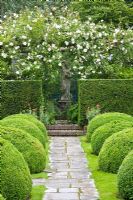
(114, 150)
(25, 125)
(32, 119)
(15, 176)
(112, 95)
(31, 149)
(18, 96)
(125, 177)
(102, 119)
(105, 131)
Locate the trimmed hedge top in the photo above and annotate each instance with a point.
(20, 95)
(105, 131)
(15, 176)
(113, 95)
(102, 119)
(125, 177)
(25, 125)
(32, 119)
(114, 150)
(31, 149)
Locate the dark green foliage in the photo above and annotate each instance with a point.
(25, 125)
(15, 176)
(19, 96)
(114, 150)
(73, 113)
(102, 119)
(116, 12)
(125, 177)
(31, 149)
(7, 6)
(50, 114)
(113, 95)
(32, 119)
(105, 131)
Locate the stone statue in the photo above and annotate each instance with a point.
(65, 83)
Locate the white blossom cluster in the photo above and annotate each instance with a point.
(35, 41)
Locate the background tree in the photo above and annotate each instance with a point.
(116, 12)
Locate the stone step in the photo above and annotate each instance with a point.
(64, 127)
(66, 132)
(62, 122)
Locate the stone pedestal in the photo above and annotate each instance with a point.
(64, 105)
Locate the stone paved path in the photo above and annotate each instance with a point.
(70, 179)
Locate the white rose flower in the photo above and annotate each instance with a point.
(11, 44)
(1, 43)
(35, 62)
(49, 49)
(4, 55)
(60, 64)
(115, 41)
(28, 68)
(100, 35)
(85, 50)
(110, 57)
(15, 15)
(73, 41)
(39, 56)
(79, 47)
(17, 72)
(24, 37)
(29, 27)
(66, 43)
(24, 43)
(23, 63)
(123, 48)
(53, 46)
(57, 26)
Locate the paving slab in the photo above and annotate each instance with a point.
(70, 178)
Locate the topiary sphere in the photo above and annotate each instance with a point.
(114, 150)
(103, 132)
(15, 177)
(102, 119)
(125, 177)
(31, 149)
(32, 119)
(25, 125)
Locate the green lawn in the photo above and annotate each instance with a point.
(39, 175)
(37, 192)
(106, 183)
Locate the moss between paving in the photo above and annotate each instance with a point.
(106, 183)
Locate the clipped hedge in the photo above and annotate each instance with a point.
(114, 150)
(125, 177)
(32, 119)
(102, 119)
(31, 149)
(113, 95)
(20, 95)
(15, 176)
(105, 131)
(25, 125)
